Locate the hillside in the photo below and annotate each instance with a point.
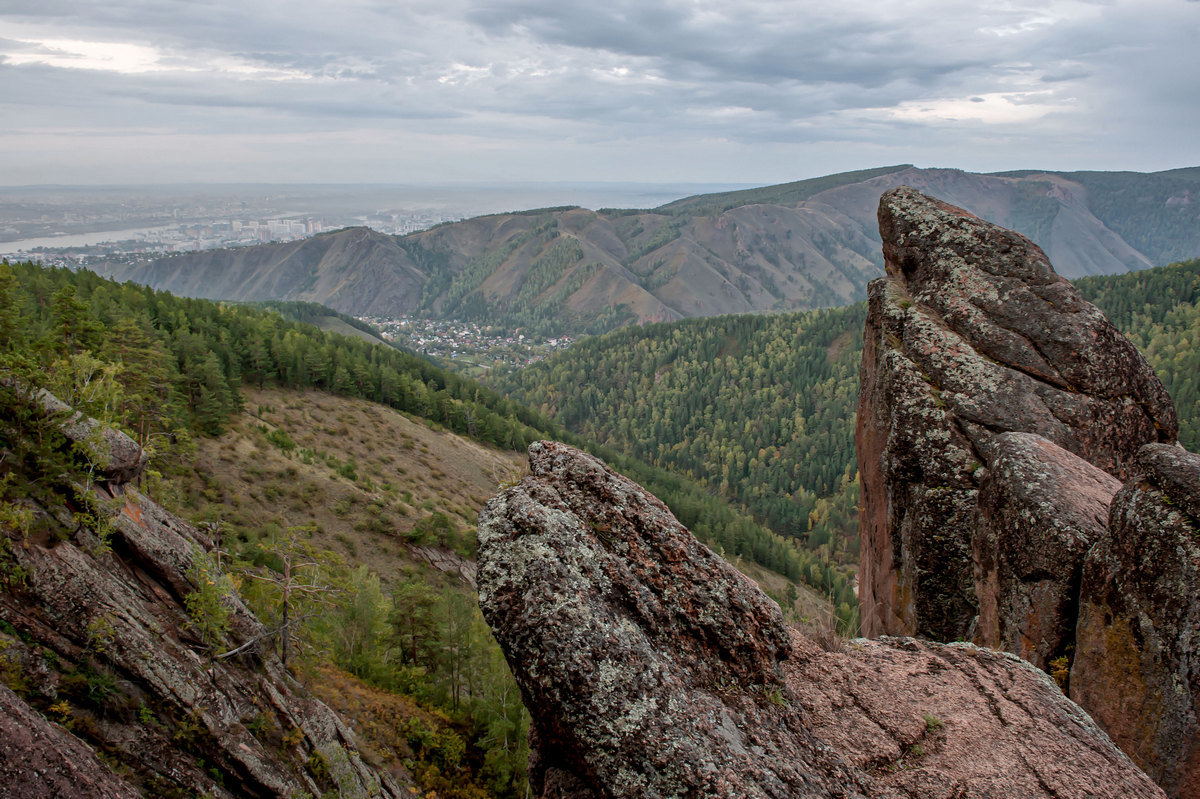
(795, 246)
(339, 529)
(760, 409)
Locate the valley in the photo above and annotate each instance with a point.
(795, 246)
(261, 434)
(284, 443)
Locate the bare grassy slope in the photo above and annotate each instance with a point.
(368, 478)
(386, 516)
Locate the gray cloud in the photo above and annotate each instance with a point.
(542, 89)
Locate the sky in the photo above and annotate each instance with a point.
(446, 91)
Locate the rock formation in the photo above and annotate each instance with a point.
(40, 759)
(116, 456)
(1136, 668)
(999, 416)
(654, 669)
(96, 635)
(1040, 509)
(971, 334)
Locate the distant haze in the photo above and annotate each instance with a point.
(753, 91)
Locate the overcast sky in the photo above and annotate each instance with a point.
(754, 91)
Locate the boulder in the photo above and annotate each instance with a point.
(652, 668)
(971, 334)
(650, 665)
(1136, 667)
(115, 456)
(1040, 509)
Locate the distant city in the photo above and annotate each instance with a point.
(57, 243)
(79, 225)
(80, 248)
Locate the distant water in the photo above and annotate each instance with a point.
(78, 239)
(334, 205)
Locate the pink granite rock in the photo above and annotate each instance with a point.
(1136, 667)
(654, 669)
(1040, 509)
(971, 334)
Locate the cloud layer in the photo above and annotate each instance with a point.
(658, 90)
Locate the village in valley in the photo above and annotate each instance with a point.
(467, 347)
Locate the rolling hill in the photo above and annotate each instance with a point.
(794, 246)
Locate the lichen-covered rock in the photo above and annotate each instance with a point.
(941, 721)
(1040, 508)
(653, 669)
(972, 334)
(41, 760)
(650, 666)
(1136, 667)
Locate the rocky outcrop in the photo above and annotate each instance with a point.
(1040, 509)
(108, 452)
(445, 560)
(97, 637)
(116, 456)
(650, 666)
(999, 414)
(40, 759)
(654, 669)
(970, 335)
(939, 721)
(1136, 667)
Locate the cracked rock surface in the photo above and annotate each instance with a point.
(971, 334)
(652, 668)
(97, 638)
(1136, 667)
(1040, 509)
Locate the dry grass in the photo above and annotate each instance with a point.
(404, 472)
(810, 612)
(363, 476)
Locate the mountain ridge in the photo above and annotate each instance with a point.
(794, 246)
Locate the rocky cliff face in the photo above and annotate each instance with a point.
(100, 656)
(971, 334)
(653, 669)
(1136, 668)
(999, 416)
(1040, 509)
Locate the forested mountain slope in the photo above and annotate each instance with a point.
(757, 408)
(795, 246)
(325, 471)
(179, 365)
(760, 409)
